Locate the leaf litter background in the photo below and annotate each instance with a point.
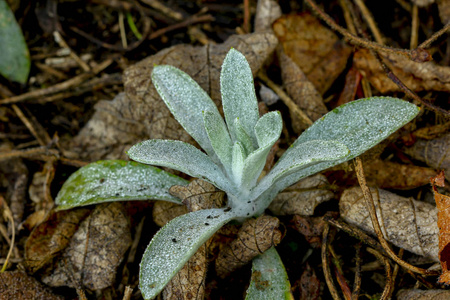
(89, 97)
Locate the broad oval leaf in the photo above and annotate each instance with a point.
(182, 157)
(304, 155)
(238, 93)
(174, 244)
(186, 100)
(359, 125)
(219, 137)
(116, 180)
(14, 58)
(269, 278)
(268, 128)
(237, 166)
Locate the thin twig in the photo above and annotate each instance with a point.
(414, 28)
(194, 19)
(373, 216)
(59, 87)
(325, 263)
(434, 37)
(127, 293)
(357, 281)
(370, 21)
(7, 214)
(387, 267)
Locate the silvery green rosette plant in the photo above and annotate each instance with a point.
(235, 152)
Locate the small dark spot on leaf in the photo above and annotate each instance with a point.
(117, 194)
(227, 209)
(102, 180)
(206, 224)
(249, 201)
(174, 240)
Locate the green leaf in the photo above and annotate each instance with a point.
(238, 163)
(269, 278)
(186, 100)
(243, 137)
(304, 155)
(14, 58)
(116, 180)
(174, 244)
(238, 93)
(182, 157)
(219, 137)
(359, 125)
(267, 131)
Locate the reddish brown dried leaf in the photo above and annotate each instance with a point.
(95, 250)
(391, 175)
(443, 206)
(254, 237)
(18, 285)
(417, 76)
(308, 284)
(320, 54)
(140, 114)
(352, 80)
(51, 237)
(311, 228)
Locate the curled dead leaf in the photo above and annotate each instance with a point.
(198, 195)
(406, 223)
(435, 153)
(51, 237)
(443, 222)
(417, 76)
(254, 237)
(302, 198)
(95, 250)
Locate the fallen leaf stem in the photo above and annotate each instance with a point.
(376, 225)
(325, 262)
(388, 288)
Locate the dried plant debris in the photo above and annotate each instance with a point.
(416, 294)
(164, 211)
(51, 237)
(308, 284)
(140, 114)
(303, 197)
(417, 76)
(311, 228)
(95, 250)
(319, 52)
(391, 175)
(254, 237)
(443, 207)
(267, 11)
(198, 195)
(406, 223)
(302, 92)
(435, 153)
(17, 285)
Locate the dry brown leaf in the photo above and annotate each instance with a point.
(435, 153)
(444, 10)
(308, 284)
(311, 228)
(164, 211)
(140, 114)
(352, 80)
(18, 285)
(302, 92)
(417, 76)
(95, 250)
(267, 11)
(432, 132)
(319, 52)
(51, 237)
(302, 198)
(443, 207)
(406, 223)
(199, 195)
(254, 237)
(416, 294)
(391, 175)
